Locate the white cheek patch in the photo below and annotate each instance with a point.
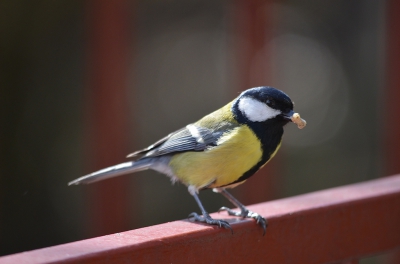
(256, 111)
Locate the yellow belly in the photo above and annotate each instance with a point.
(236, 153)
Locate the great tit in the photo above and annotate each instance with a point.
(219, 151)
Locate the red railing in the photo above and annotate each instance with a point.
(339, 225)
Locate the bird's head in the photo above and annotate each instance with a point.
(262, 104)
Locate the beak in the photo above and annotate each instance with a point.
(288, 115)
(295, 118)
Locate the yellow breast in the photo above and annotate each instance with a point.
(236, 152)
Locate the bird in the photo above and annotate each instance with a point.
(221, 150)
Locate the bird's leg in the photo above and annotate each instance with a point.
(244, 212)
(206, 218)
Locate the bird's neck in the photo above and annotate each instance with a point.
(269, 133)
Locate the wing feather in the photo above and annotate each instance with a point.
(154, 145)
(189, 138)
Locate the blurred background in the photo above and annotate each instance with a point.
(84, 83)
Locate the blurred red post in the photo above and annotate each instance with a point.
(107, 61)
(392, 96)
(252, 27)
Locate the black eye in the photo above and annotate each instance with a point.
(270, 102)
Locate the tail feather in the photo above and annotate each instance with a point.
(113, 171)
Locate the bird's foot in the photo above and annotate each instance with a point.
(208, 220)
(247, 214)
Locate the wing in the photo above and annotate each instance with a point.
(190, 138)
(154, 145)
(194, 137)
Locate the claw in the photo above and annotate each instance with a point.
(247, 214)
(243, 214)
(208, 220)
